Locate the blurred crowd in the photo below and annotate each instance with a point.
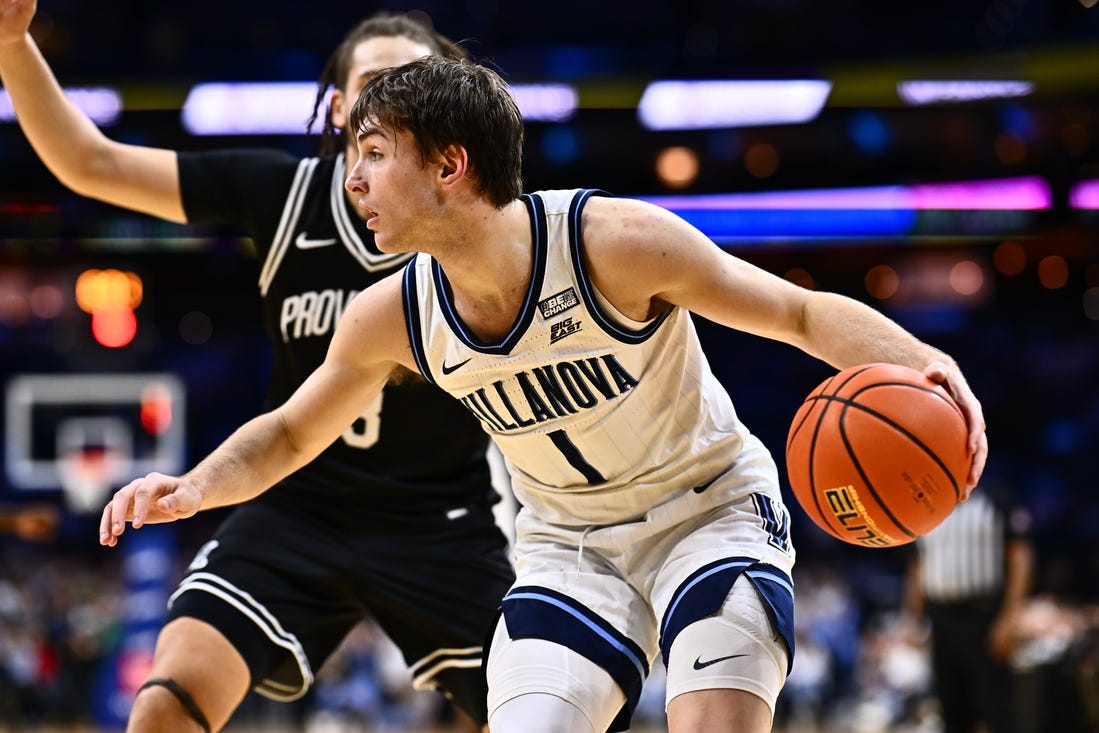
(861, 665)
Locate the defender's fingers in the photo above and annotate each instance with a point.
(106, 536)
(148, 491)
(121, 507)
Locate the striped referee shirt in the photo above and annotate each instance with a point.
(963, 558)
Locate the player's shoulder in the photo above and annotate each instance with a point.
(212, 172)
(610, 218)
(382, 302)
(377, 316)
(247, 158)
(589, 203)
(566, 197)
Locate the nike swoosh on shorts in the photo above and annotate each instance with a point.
(699, 664)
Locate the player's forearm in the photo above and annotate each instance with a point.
(249, 462)
(844, 332)
(62, 136)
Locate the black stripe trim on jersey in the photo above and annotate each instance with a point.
(540, 613)
(368, 256)
(443, 291)
(291, 212)
(412, 320)
(608, 324)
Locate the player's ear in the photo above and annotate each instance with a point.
(453, 164)
(338, 109)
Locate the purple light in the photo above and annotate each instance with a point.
(930, 91)
(103, 105)
(1014, 194)
(239, 108)
(695, 105)
(545, 102)
(1085, 195)
(281, 108)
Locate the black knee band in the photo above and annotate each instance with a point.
(184, 698)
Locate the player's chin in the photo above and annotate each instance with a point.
(388, 244)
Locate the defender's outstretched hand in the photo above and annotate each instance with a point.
(950, 377)
(153, 499)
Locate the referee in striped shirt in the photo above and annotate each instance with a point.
(970, 577)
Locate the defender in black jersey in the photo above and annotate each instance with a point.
(394, 520)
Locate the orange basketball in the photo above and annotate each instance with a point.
(876, 455)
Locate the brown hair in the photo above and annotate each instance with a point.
(444, 102)
(415, 26)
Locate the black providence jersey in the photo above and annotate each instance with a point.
(416, 447)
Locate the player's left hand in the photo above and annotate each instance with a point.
(950, 377)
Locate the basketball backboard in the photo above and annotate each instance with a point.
(89, 433)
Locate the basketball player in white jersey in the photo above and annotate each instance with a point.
(285, 578)
(652, 520)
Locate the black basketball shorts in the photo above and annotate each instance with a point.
(285, 588)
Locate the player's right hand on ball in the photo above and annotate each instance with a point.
(152, 499)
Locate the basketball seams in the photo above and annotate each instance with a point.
(812, 462)
(850, 402)
(878, 499)
(822, 440)
(937, 392)
(819, 392)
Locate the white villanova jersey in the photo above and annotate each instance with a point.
(599, 418)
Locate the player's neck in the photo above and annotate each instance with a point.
(489, 267)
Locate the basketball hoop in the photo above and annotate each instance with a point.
(87, 475)
(93, 454)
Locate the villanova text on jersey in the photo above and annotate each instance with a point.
(548, 392)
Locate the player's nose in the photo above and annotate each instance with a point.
(355, 183)
(356, 180)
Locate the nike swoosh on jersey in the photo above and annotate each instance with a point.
(450, 369)
(702, 487)
(304, 242)
(699, 664)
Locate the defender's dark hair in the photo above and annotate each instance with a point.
(415, 26)
(441, 102)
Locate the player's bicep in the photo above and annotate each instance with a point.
(647, 258)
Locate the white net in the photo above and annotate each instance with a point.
(87, 476)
